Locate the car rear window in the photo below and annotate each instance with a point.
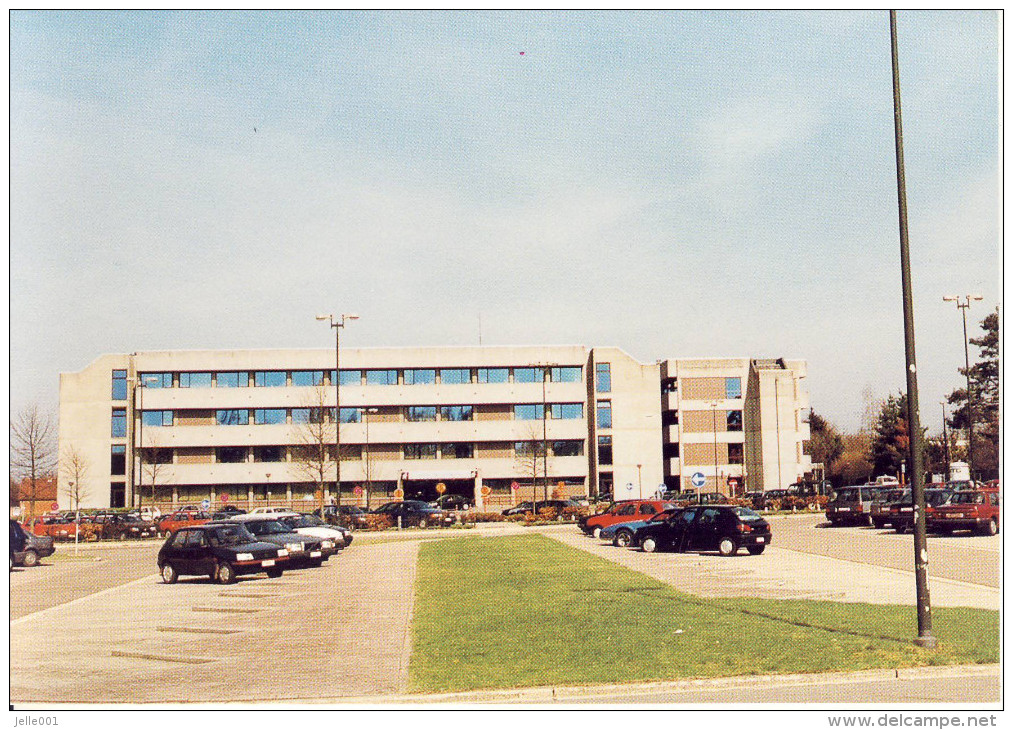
(746, 515)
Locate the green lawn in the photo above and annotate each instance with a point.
(525, 610)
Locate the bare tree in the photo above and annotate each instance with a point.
(529, 459)
(153, 469)
(74, 468)
(313, 457)
(32, 449)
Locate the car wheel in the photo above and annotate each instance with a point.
(169, 574)
(274, 572)
(756, 549)
(867, 521)
(226, 573)
(31, 559)
(650, 545)
(878, 524)
(900, 529)
(623, 538)
(990, 528)
(596, 533)
(727, 547)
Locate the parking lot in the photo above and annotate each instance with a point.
(103, 628)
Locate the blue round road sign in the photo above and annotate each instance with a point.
(698, 479)
(206, 504)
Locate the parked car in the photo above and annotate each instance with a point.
(303, 550)
(454, 502)
(530, 507)
(724, 528)
(413, 513)
(623, 534)
(346, 515)
(35, 547)
(180, 519)
(18, 539)
(125, 527)
(149, 513)
(231, 509)
(976, 510)
(755, 499)
(268, 510)
(902, 512)
(337, 536)
(626, 511)
(220, 551)
(880, 508)
(851, 505)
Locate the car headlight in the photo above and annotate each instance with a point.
(244, 556)
(283, 553)
(328, 544)
(294, 546)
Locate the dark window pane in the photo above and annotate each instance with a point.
(734, 453)
(232, 380)
(118, 460)
(603, 375)
(420, 413)
(195, 380)
(230, 454)
(527, 375)
(568, 448)
(232, 417)
(604, 449)
(269, 453)
(734, 420)
(119, 385)
(493, 375)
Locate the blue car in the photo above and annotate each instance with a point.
(621, 534)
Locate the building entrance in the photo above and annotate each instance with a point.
(425, 489)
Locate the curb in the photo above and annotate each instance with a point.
(549, 695)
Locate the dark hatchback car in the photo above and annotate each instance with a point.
(454, 502)
(125, 527)
(902, 512)
(221, 551)
(724, 528)
(303, 550)
(348, 515)
(880, 509)
(413, 513)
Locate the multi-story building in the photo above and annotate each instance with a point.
(500, 424)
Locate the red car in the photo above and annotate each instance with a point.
(184, 518)
(976, 510)
(625, 511)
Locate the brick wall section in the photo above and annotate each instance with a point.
(702, 388)
(704, 421)
(703, 454)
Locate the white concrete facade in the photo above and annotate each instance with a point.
(236, 423)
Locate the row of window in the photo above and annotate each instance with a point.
(733, 387)
(269, 416)
(407, 376)
(243, 454)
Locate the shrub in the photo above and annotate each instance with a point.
(522, 517)
(548, 514)
(378, 522)
(575, 513)
(473, 517)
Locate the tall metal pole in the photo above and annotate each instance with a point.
(336, 325)
(970, 401)
(714, 428)
(946, 443)
(140, 446)
(545, 442)
(925, 637)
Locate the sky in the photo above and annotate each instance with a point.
(676, 184)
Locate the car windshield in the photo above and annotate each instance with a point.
(230, 535)
(746, 515)
(846, 495)
(267, 527)
(968, 498)
(663, 515)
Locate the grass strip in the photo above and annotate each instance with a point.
(514, 611)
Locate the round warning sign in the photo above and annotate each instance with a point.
(398, 493)
(441, 487)
(486, 491)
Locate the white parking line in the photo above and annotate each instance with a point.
(82, 599)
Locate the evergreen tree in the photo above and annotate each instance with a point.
(984, 376)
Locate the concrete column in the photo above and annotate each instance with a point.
(249, 496)
(175, 496)
(479, 499)
(288, 495)
(400, 483)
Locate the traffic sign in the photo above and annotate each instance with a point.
(205, 504)
(357, 491)
(224, 497)
(662, 489)
(560, 484)
(629, 486)
(54, 506)
(515, 486)
(441, 488)
(398, 493)
(698, 479)
(486, 491)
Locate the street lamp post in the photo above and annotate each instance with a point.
(925, 638)
(337, 325)
(969, 411)
(714, 428)
(138, 449)
(946, 443)
(369, 476)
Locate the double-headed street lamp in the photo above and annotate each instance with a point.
(138, 449)
(369, 478)
(963, 306)
(337, 325)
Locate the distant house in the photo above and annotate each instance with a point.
(37, 503)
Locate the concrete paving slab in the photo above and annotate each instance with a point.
(310, 641)
(784, 573)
